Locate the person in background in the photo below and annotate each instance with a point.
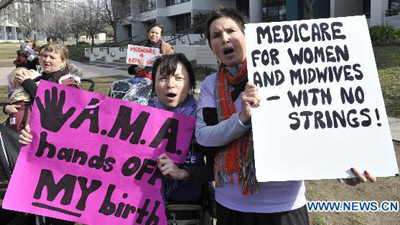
(223, 127)
(50, 40)
(138, 89)
(32, 59)
(154, 35)
(54, 66)
(31, 43)
(26, 57)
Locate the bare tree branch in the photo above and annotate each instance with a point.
(114, 13)
(5, 3)
(92, 22)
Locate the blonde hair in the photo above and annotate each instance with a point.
(11, 76)
(31, 40)
(57, 48)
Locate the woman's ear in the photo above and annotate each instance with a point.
(63, 65)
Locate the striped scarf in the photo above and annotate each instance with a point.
(238, 156)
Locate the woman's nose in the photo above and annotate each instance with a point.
(170, 83)
(225, 37)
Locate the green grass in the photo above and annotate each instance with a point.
(77, 52)
(8, 53)
(388, 63)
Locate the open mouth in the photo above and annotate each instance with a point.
(171, 95)
(228, 51)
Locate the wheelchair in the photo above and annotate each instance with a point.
(194, 214)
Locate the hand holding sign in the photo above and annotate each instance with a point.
(25, 137)
(140, 67)
(169, 169)
(249, 99)
(360, 178)
(52, 117)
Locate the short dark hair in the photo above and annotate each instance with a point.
(222, 12)
(157, 25)
(50, 38)
(168, 65)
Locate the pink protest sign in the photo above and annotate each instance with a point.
(93, 159)
(141, 55)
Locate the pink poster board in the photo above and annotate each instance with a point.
(93, 159)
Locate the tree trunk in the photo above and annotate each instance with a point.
(92, 40)
(115, 34)
(308, 9)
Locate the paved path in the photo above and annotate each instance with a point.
(90, 70)
(100, 70)
(394, 124)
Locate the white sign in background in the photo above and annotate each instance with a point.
(141, 55)
(289, 141)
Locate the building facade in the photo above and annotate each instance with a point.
(177, 15)
(10, 18)
(9, 30)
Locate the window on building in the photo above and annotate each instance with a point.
(367, 8)
(174, 2)
(127, 4)
(147, 5)
(274, 10)
(9, 33)
(394, 8)
(183, 22)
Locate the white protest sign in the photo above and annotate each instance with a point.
(322, 110)
(141, 55)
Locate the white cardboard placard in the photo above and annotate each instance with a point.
(140, 54)
(307, 128)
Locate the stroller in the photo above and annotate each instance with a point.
(194, 214)
(136, 90)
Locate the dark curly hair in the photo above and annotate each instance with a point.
(222, 12)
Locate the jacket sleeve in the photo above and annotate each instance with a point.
(219, 134)
(30, 87)
(203, 173)
(166, 49)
